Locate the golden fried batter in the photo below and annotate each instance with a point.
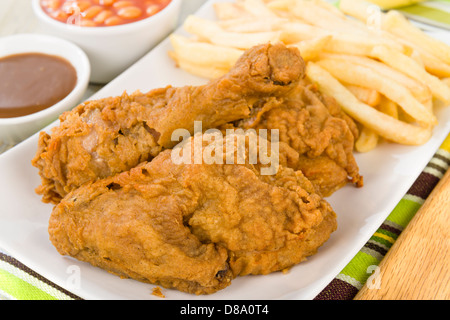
(318, 136)
(193, 227)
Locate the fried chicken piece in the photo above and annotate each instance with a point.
(193, 227)
(104, 137)
(317, 136)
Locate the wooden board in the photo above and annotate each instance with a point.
(417, 267)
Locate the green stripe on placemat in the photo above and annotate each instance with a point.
(404, 211)
(427, 14)
(351, 279)
(21, 289)
(19, 282)
(433, 13)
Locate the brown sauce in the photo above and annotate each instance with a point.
(31, 82)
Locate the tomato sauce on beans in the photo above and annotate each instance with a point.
(102, 13)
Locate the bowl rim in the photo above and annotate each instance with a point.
(83, 74)
(123, 28)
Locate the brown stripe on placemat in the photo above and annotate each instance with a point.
(391, 228)
(337, 290)
(423, 186)
(376, 248)
(24, 268)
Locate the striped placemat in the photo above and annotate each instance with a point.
(360, 269)
(18, 282)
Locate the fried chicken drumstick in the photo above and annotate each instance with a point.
(104, 137)
(193, 227)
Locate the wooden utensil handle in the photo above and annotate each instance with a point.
(417, 265)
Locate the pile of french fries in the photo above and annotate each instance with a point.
(384, 72)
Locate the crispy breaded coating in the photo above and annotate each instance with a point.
(107, 136)
(193, 227)
(318, 136)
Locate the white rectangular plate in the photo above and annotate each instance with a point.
(388, 172)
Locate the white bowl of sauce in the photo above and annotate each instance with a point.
(40, 77)
(113, 33)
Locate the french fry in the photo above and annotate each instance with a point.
(280, 4)
(388, 107)
(229, 10)
(363, 76)
(404, 32)
(339, 24)
(351, 44)
(397, 24)
(204, 54)
(432, 64)
(310, 49)
(368, 96)
(213, 33)
(321, 17)
(384, 125)
(252, 24)
(205, 29)
(294, 32)
(417, 57)
(329, 7)
(367, 140)
(287, 5)
(446, 81)
(403, 116)
(257, 8)
(337, 43)
(409, 66)
(360, 10)
(420, 91)
(207, 72)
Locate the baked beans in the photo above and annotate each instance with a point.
(102, 13)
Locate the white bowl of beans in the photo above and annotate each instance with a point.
(41, 77)
(113, 33)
